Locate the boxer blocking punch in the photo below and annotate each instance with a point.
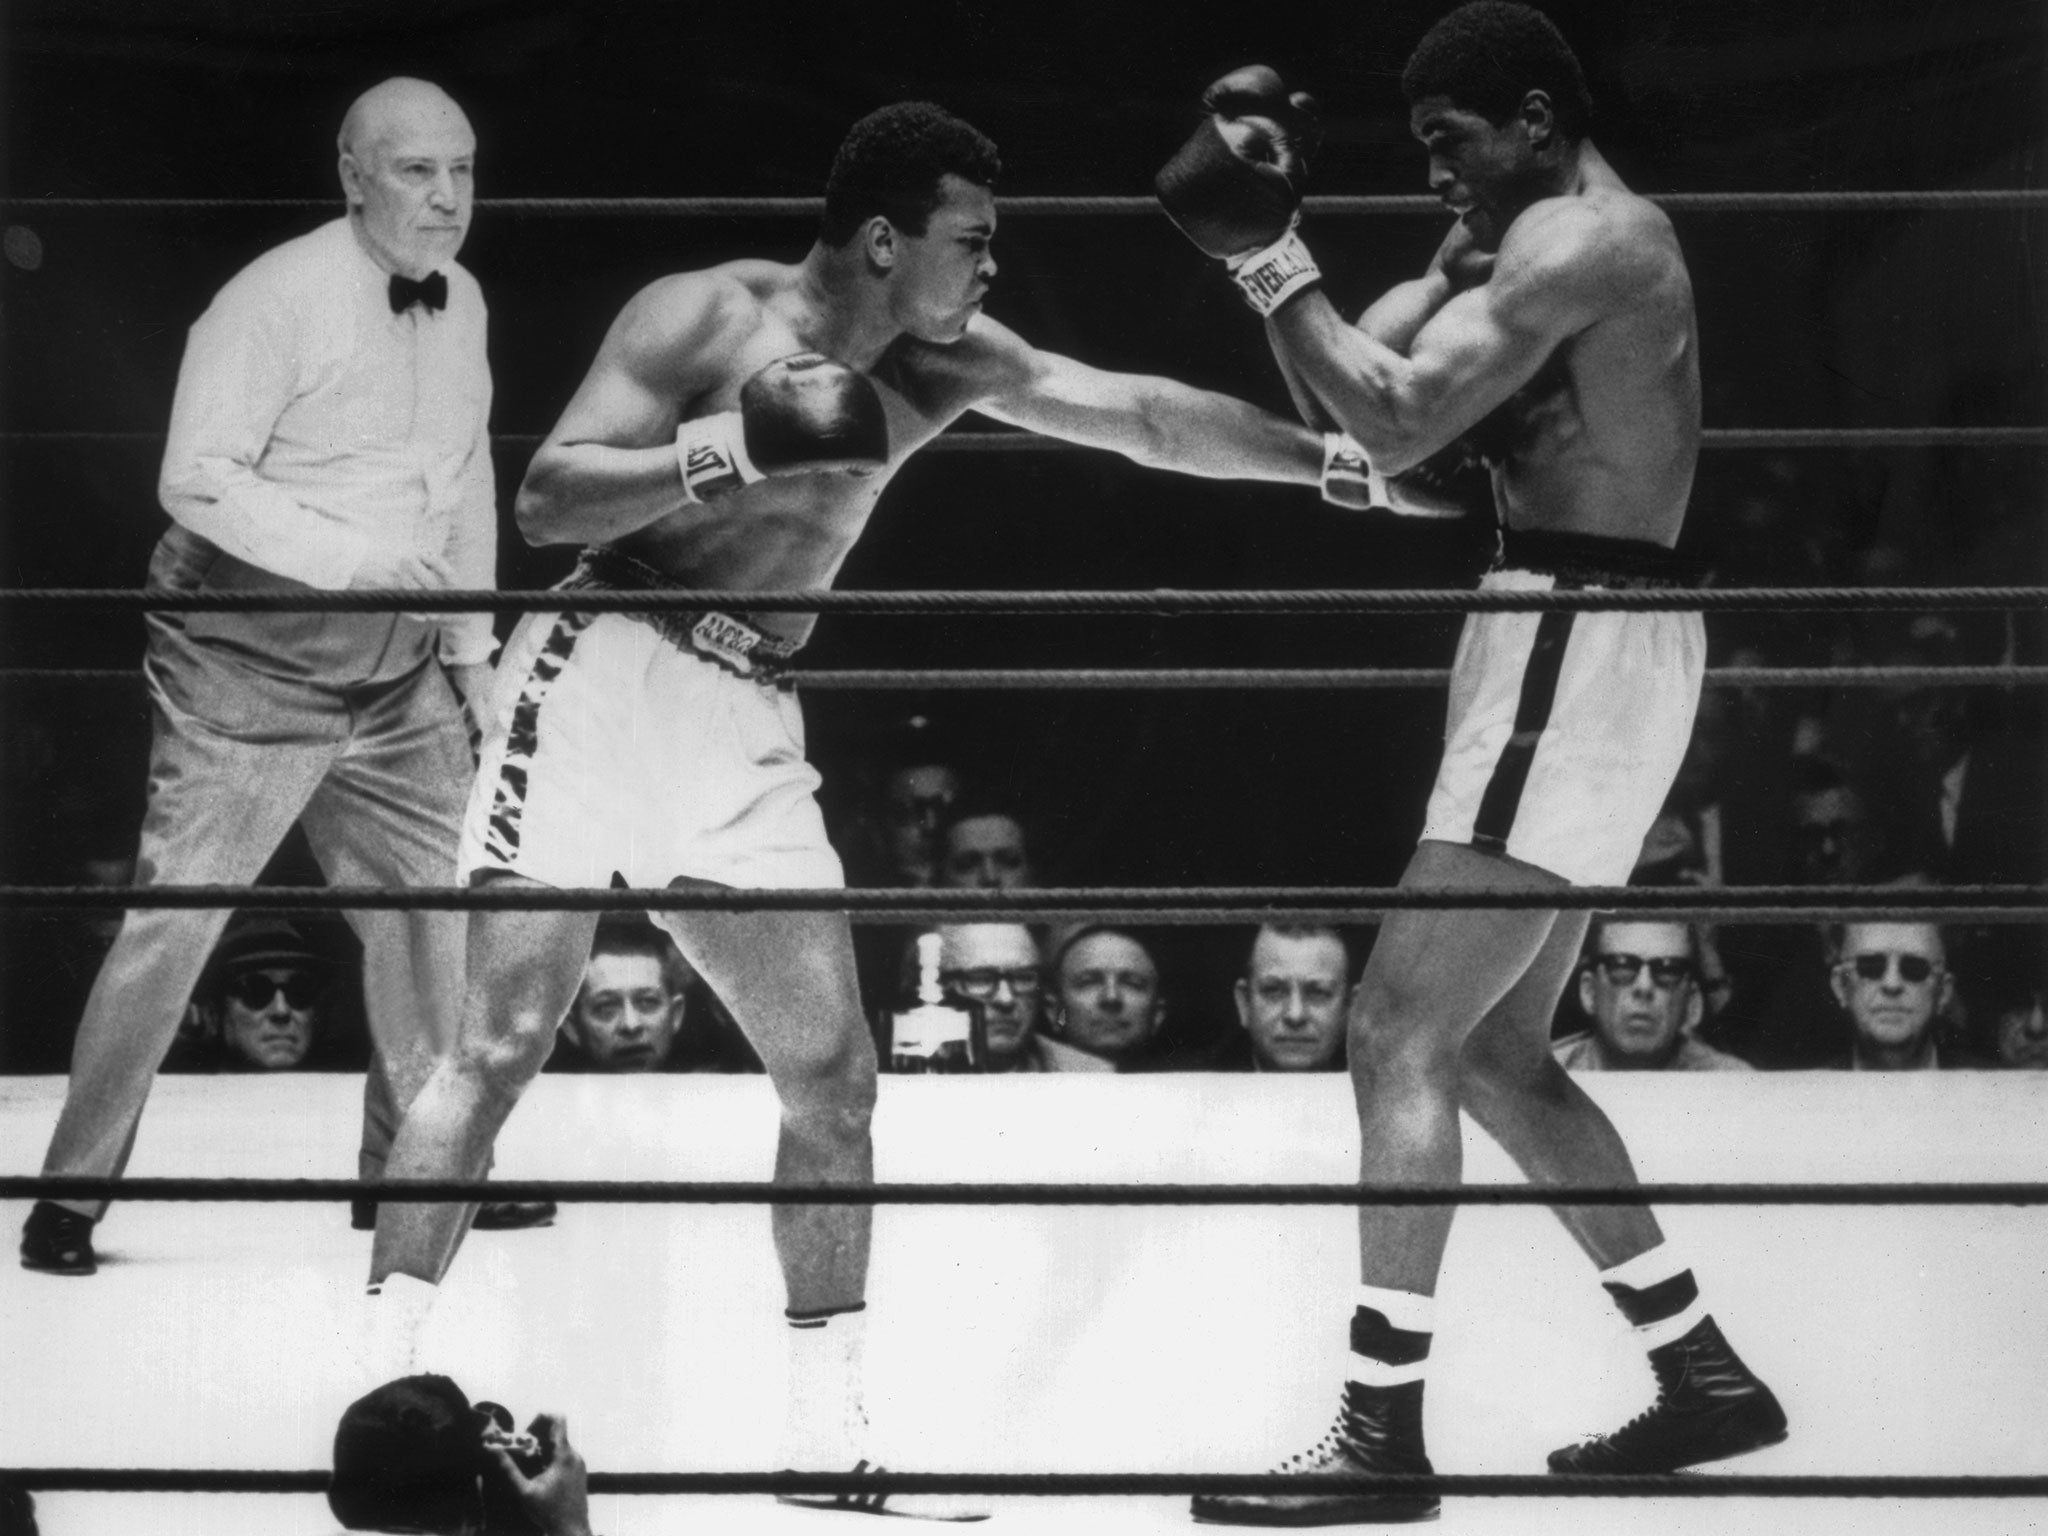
(735, 432)
(1556, 324)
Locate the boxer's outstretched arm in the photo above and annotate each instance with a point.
(1558, 271)
(609, 466)
(1156, 422)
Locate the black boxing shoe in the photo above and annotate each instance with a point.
(1378, 1433)
(513, 1215)
(1709, 1407)
(58, 1241)
(491, 1216)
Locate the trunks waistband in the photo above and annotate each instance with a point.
(733, 642)
(1589, 560)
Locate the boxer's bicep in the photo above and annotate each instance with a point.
(1468, 359)
(1487, 342)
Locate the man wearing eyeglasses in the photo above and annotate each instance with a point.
(1892, 981)
(1640, 986)
(997, 965)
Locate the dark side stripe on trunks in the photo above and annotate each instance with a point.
(522, 737)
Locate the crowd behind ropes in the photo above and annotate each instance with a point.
(1906, 786)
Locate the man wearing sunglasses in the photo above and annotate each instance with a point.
(271, 995)
(1893, 982)
(1640, 986)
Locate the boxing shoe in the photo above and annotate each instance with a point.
(947, 1508)
(513, 1215)
(58, 1241)
(1709, 1407)
(1378, 1433)
(491, 1216)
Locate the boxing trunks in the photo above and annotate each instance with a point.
(649, 747)
(1566, 730)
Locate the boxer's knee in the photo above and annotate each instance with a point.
(827, 1083)
(1395, 1032)
(505, 1041)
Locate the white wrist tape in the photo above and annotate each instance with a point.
(1271, 277)
(711, 452)
(1349, 480)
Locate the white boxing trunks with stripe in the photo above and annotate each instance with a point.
(618, 747)
(1566, 730)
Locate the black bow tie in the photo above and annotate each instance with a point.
(431, 290)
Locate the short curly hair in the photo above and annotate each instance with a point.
(890, 163)
(1487, 56)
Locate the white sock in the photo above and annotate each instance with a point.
(398, 1307)
(1404, 1309)
(824, 1427)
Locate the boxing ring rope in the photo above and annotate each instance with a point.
(1029, 205)
(1057, 1484)
(1170, 602)
(1062, 679)
(1031, 442)
(1197, 904)
(759, 1191)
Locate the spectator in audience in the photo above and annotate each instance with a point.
(267, 993)
(2022, 1024)
(1640, 987)
(1893, 984)
(1107, 998)
(893, 841)
(2007, 992)
(997, 965)
(1834, 839)
(909, 782)
(1778, 1011)
(1293, 1001)
(641, 1008)
(630, 1010)
(1970, 780)
(984, 846)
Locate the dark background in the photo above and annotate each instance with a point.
(1840, 319)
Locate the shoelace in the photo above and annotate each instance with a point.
(1301, 1460)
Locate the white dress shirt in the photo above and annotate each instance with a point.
(312, 426)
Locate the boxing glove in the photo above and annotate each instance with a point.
(1235, 187)
(1449, 483)
(803, 414)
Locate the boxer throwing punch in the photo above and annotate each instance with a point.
(735, 432)
(1558, 312)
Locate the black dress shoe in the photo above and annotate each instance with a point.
(513, 1215)
(1709, 1407)
(1378, 1432)
(58, 1241)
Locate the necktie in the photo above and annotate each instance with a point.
(431, 290)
